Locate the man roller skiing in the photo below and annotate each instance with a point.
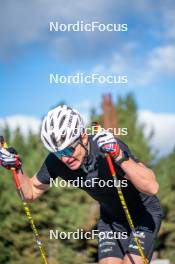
(74, 155)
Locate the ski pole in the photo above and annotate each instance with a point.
(123, 201)
(26, 208)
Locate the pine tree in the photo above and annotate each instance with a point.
(126, 109)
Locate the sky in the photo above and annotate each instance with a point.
(145, 53)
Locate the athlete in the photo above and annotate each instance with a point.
(76, 155)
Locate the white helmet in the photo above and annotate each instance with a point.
(61, 127)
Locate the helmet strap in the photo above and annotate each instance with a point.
(88, 161)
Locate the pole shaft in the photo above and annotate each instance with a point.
(29, 216)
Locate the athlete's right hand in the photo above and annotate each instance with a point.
(9, 158)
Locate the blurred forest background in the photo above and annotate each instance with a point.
(68, 209)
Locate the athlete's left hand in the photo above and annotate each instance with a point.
(107, 143)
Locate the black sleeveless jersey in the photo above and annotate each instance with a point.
(101, 186)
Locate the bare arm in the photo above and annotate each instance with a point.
(142, 177)
(31, 187)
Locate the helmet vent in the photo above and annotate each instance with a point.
(71, 134)
(58, 114)
(47, 141)
(52, 124)
(63, 136)
(61, 122)
(45, 125)
(53, 139)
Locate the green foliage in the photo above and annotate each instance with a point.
(165, 168)
(127, 118)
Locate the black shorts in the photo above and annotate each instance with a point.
(117, 239)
